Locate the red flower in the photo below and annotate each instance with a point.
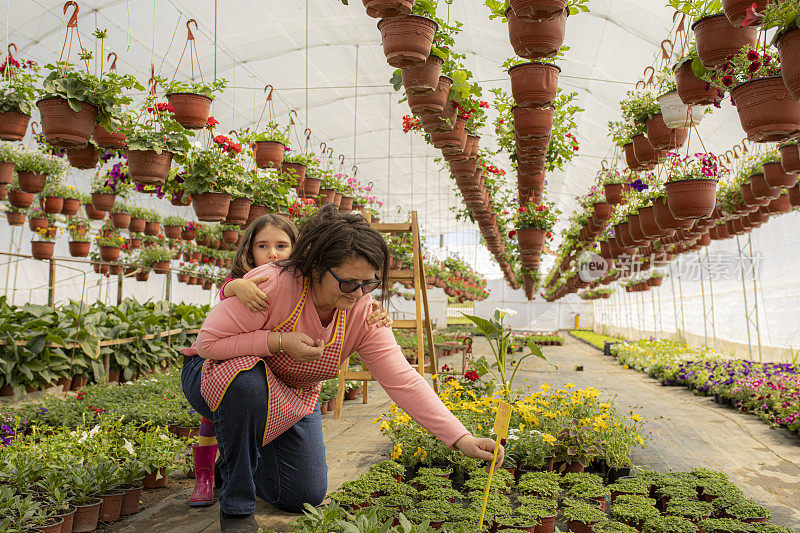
(727, 81)
(752, 55)
(766, 58)
(472, 375)
(484, 104)
(752, 16)
(541, 207)
(221, 139)
(211, 122)
(549, 234)
(512, 234)
(754, 66)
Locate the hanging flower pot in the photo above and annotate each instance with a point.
(297, 170)
(70, 206)
(789, 47)
(717, 39)
(794, 197)
(269, 154)
(191, 110)
(536, 39)
(149, 167)
(103, 201)
(152, 228)
(433, 122)
(143, 275)
(137, 225)
(13, 125)
(94, 214)
(211, 206)
(693, 198)
(637, 233)
(433, 103)
(311, 186)
(346, 205)
(463, 168)
(790, 158)
(230, 236)
(6, 172)
(644, 152)
(736, 10)
(407, 39)
(109, 253)
(79, 248)
(42, 249)
(381, 9)
(538, 9)
(31, 181)
(647, 221)
(662, 137)
(172, 232)
(613, 193)
(256, 211)
(532, 122)
(63, 127)
(456, 138)
(776, 176)
(423, 79)
(16, 218)
(121, 220)
(630, 158)
(238, 211)
(766, 110)
(534, 84)
(761, 190)
(676, 114)
(531, 239)
(112, 140)
(84, 158)
(781, 204)
(691, 89)
(52, 204)
(161, 267)
(35, 223)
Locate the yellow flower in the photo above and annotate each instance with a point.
(636, 418)
(569, 385)
(605, 406)
(398, 450)
(549, 439)
(640, 440)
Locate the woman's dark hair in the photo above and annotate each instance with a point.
(331, 237)
(243, 261)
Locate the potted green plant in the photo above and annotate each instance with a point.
(191, 100)
(269, 146)
(79, 239)
(633, 514)
(173, 225)
(749, 512)
(541, 484)
(152, 225)
(156, 258)
(109, 184)
(581, 516)
(110, 246)
(294, 165)
(34, 166)
(690, 509)
(534, 224)
(44, 244)
(120, 215)
(668, 524)
(783, 16)
(692, 186)
(16, 216)
(17, 95)
(211, 174)
(724, 525)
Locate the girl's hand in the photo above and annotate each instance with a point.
(300, 346)
(480, 449)
(249, 294)
(379, 316)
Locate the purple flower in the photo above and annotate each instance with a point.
(639, 185)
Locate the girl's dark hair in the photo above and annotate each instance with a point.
(243, 260)
(331, 237)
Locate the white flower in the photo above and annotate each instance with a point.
(82, 439)
(128, 446)
(506, 311)
(164, 437)
(94, 431)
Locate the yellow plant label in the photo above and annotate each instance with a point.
(502, 420)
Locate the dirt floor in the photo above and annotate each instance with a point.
(688, 431)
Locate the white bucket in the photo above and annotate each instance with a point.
(676, 113)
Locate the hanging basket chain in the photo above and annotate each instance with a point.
(192, 45)
(268, 104)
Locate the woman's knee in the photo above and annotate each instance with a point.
(312, 492)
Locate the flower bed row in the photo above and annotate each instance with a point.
(770, 391)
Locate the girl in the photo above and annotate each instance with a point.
(267, 239)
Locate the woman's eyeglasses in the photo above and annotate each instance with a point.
(348, 286)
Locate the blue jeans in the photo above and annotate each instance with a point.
(288, 472)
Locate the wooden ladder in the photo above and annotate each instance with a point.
(421, 321)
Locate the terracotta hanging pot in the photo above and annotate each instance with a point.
(691, 89)
(114, 140)
(149, 167)
(121, 220)
(423, 79)
(381, 9)
(676, 114)
(143, 275)
(789, 47)
(613, 193)
(663, 138)
(794, 197)
(94, 214)
(311, 187)
(762, 190)
(717, 39)
(13, 125)
(534, 84)
(644, 152)
(432, 103)
(407, 39)
(42, 249)
(337, 199)
(603, 211)
(238, 211)
(647, 221)
(781, 204)
(79, 248)
(463, 168)
(211, 206)
(623, 235)
(346, 204)
(191, 110)
(172, 232)
(297, 170)
(532, 122)
(664, 219)
(103, 201)
(456, 138)
(137, 225)
(631, 160)
(691, 198)
(63, 127)
(637, 234)
(109, 253)
(531, 239)
(536, 39)
(84, 158)
(326, 196)
(790, 158)
(269, 154)
(37, 222)
(6, 172)
(736, 10)
(538, 9)
(433, 122)
(15, 218)
(31, 181)
(52, 204)
(70, 206)
(766, 110)
(776, 176)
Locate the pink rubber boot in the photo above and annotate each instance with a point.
(203, 494)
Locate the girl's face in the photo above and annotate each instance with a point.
(269, 245)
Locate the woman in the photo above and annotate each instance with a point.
(257, 375)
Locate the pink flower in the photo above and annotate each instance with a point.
(752, 16)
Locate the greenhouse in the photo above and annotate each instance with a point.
(400, 266)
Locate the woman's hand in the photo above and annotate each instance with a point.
(480, 449)
(298, 346)
(247, 291)
(379, 316)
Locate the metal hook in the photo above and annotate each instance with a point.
(113, 63)
(744, 145)
(667, 55)
(152, 81)
(604, 165)
(323, 147)
(34, 127)
(683, 20)
(341, 159)
(73, 20)
(330, 153)
(355, 171)
(10, 45)
(370, 185)
(736, 151)
(292, 112)
(399, 209)
(234, 132)
(643, 85)
(190, 37)
(271, 90)
(653, 73)
(307, 133)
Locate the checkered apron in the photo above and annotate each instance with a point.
(293, 387)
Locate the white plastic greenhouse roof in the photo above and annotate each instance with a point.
(309, 50)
